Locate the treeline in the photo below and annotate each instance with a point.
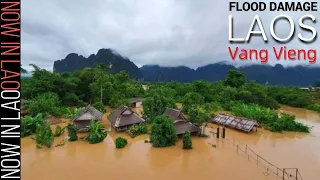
(47, 92)
(50, 93)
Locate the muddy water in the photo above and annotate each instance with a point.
(138, 160)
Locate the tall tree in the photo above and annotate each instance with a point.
(235, 79)
(163, 133)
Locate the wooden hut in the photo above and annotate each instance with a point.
(180, 122)
(84, 118)
(136, 102)
(240, 123)
(123, 118)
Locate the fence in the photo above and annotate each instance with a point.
(284, 173)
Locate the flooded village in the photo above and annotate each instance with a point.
(80, 160)
(110, 126)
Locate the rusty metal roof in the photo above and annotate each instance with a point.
(235, 122)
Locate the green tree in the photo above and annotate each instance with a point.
(156, 103)
(163, 133)
(186, 139)
(317, 84)
(199, 116)
(191, 98)
(46, 103)
(235, 79)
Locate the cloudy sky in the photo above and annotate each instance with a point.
(165, 32)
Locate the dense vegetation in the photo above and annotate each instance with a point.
(44, 136)
(138, 129)
(121, 142)
(46, 93)
(29, 124)
(163, 133)
(186, 140)
(268, 118)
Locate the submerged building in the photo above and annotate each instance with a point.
(123, 118)
(240, 123)
(83, 119)
(180, 122)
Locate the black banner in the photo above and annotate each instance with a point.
(10, 89)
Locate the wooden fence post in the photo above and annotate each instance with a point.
(218, 132)
(237, 148)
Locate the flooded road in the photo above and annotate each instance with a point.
(139, 160)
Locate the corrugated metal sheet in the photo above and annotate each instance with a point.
(240, 123)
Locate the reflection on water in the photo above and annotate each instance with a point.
(138, 160)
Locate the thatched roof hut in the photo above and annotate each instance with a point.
(123, 118)
(85, 116)
(180, 122)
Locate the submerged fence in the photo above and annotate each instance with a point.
(283, 173)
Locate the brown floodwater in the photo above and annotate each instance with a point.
(138, 160)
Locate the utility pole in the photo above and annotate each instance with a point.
(101, 94)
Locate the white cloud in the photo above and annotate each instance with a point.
(165, 32)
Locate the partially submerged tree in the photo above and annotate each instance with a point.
(97, 132)
(121, 142)
(72, 132)
(44, 136)
(163, 133)
(186, 139)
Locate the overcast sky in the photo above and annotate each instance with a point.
(165, 32)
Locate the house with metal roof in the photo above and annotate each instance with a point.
(123, 118)
(240, 123)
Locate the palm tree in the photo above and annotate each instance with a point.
(35, 67)
(22, 70)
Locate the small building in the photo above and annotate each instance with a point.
(123, 118)
(136, 102)
(83, 119)
(180, 122)
(235, 122)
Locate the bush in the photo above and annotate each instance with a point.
(121, 142)
(314, 107)
(44, 136)
(186, 139)
(138, 129)
(72, 132)
(72, 112)
(97, 132)
(59, 131)
(29, 124)
(163, 133)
